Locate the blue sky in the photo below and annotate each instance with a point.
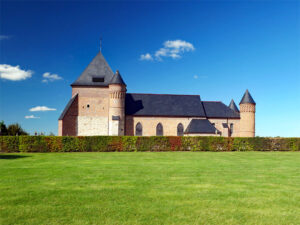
(225, 47)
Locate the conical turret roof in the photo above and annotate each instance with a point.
(233, 106)
(117, 79)
(247, 98)
(97, 73)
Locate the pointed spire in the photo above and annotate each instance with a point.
(247, 98)
(233, 106)
(98, 68)
(117, 79)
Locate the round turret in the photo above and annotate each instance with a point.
(117, 93)
(247, 114)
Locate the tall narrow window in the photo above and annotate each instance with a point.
(231, 129)
(159, 130)
(138, 129)
(180, 130)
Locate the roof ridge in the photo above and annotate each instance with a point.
(204, 109)
(160, 94)
(64, 112)
(213, 101)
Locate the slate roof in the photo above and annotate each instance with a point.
(233, 106)
(247, 98)
(200, 126)
(62, 115)
(219, 110)
(98, 68)
(163, 105)
(117, 79)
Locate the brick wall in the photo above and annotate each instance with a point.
(225, 131)
(170, 125)
(68, 126)
(149, 124)
(247, 122)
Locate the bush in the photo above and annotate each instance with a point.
(9, 143)
(32, 144)
(140, 144)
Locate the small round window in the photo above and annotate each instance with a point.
(88, 106)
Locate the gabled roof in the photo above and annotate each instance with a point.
(233, 106)
(247, 98)
(117, 79)
(219, 110)
(200, 126)
(98, 68)
(163, 105)
(62, 115)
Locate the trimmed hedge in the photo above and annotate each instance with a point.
(134, 144)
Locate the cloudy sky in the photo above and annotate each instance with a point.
(216, 49)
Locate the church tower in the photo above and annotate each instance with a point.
(247, 114)
(117, 92)
(97, 103)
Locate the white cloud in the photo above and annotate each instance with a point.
(179, 44)
(161, 53)
(31, 117)
(14, 73)
(41, 108)
(172, 49)
(146, 56)
(50, 77)
(4, 37)
(195, 76)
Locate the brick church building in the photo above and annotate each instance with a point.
(100, 105)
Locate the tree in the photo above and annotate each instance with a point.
(3, 129)
(15, 129)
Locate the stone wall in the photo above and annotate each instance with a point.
(114, 128)
(92, 125)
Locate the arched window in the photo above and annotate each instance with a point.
(180, 129)
(139, 129)
(159, 130)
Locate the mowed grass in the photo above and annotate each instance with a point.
(150, 188)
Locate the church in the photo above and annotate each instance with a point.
(100, 105)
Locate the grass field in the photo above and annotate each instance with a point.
(150, 188)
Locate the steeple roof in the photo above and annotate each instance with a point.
(233, 106)
(97, 73)
(247, 98)
(117, 79)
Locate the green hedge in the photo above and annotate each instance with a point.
(133, 144)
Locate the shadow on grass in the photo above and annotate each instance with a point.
(13, 156)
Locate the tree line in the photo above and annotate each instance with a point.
(11, 130)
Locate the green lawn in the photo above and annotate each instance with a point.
(150, 188)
